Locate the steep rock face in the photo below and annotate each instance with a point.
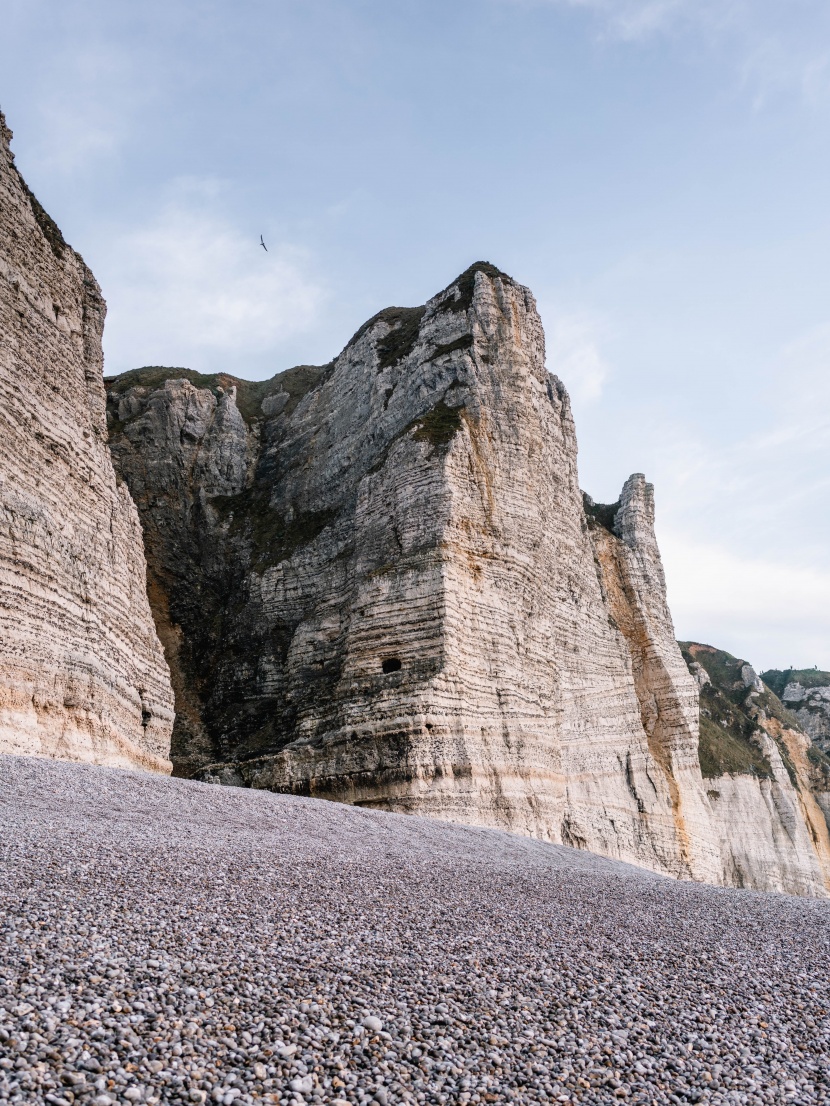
(82, 674)
(377, 581)
(806, 692)
(402, 607)
(767, 783)
(634, 590)
(193, 445)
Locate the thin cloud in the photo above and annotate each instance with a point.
(742, 525)
(772, 68)
(192, 288)
(776, 49)
(635, 20)
(574, 355)
(74, 135)
(759, 606)
(87, 106)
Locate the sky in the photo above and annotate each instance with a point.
(656, 171)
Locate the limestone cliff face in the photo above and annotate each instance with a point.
(768, 785)
(82, 674)
(634, 590)
(718, 734)
(806, 692)
(378, 582)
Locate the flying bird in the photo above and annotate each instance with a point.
(263, 244)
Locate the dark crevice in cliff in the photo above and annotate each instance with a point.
(438, 426)
(399, 342)
(600, 514)
(464, 342)
(274, 537)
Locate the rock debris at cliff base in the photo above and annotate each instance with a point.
(168, 941)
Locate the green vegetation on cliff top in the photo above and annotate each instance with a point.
(728, 745)
(466, 283)
(777, 679)
(600, 514)
(405, 322)
(296, 382)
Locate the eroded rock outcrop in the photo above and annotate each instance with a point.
(806, 692)
(634, 591)
(82, 674)
(377, 581)
(768, 784)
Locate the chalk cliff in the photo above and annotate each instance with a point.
(768, 784)
(377, 581)
(82, 673)
(806, 693)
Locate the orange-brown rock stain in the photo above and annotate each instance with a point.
(623, 608)
(796, 745)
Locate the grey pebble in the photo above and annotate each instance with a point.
(163, 941)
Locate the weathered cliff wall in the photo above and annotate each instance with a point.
(806, 693)
(401, 608)
(82, 674)
(376, 581)
(767, 783)
(634, 591)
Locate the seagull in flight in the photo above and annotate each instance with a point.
(263, 244)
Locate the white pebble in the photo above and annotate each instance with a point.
(302, 1086)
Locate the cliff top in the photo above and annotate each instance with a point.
(296, 381)
(777, 679)
(404, 325)
(44, 220)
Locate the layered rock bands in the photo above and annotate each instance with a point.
(82, 673)
(806, 692)
(377, 581)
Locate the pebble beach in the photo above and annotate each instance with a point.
(165, 941)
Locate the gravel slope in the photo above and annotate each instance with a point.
(168, 941)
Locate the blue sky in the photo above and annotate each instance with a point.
(657, 171)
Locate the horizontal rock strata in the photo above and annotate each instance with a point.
(377, 582)
(768, 784)
(82, 673)
(806, 693)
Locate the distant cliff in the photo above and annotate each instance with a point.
(806, 693)
(82, 674)
(378, 581)
(769, 785)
